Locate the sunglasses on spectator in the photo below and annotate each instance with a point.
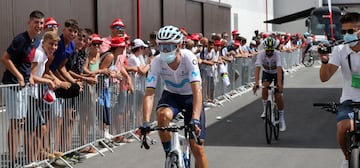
(349, 31)
(72, 24)
(51, 26)
(167, 47)
(96, 44)
(122, 28)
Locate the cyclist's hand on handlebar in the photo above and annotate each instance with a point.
(195, 126)
(145, 128)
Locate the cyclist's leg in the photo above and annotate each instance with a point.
(266, 81)
(167, 108)
(280, 103)
(278, 95)
(343, 118)
(198, 151)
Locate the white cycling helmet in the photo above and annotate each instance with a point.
(169, 34)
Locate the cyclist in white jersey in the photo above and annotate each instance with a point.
(270, 61)
(179, 70)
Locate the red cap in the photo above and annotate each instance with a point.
(235, 32)
(117, 22)
(51, 21)
(217, 43)
(195, 36)
(95, 38)
(49, 97)
(118, 42)
(265, 35)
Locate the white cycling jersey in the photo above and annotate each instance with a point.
(175, 81)
(269, 64)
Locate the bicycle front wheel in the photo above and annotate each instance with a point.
(268, 123)
(276, 124)
(354, 158)
(308, 60)
(172, 160)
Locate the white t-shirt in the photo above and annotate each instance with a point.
(139, 79)
(212, 56)
(133, 60)
(269, 64)
(41, 58)
(339, 57)
(176, 81)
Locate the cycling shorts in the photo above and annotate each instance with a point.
(268, 77)
(178, 102)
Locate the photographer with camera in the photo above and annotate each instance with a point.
(346, 56)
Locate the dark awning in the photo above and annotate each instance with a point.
(291, 17)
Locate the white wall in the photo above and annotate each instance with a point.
(251, 15)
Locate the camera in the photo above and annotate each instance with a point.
(324, 49)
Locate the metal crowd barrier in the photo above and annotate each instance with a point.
(34, 133)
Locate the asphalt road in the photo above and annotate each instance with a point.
(238, 139)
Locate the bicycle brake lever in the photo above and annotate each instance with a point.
(144, 143)
(196, 138)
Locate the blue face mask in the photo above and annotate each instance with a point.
(351, 37)
(168, 57)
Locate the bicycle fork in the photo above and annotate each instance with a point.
(176, 147)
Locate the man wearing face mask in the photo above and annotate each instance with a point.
(346, 56)
(270, 61)
(179, 70)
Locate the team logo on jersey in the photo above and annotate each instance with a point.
(194, 73)
(150, 79)
(177, 85)
(194, 61)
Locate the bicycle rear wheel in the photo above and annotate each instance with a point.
(172, 160)
(308, 60)
(354, 158)
(276, 124)
(268, 123)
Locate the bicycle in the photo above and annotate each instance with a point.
(271, 116)
(180, 154)
(310, 55)
(353, 136)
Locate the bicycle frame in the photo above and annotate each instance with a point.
(271, 116)
(180, 146)
(271, 98)
(179, 143)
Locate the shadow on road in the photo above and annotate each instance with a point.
(307, 126)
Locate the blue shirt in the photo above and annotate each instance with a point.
(21, 51)
(62, 53)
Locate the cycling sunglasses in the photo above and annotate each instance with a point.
(167, 47)
(122, 28)
(50, 26)
(349, 31)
